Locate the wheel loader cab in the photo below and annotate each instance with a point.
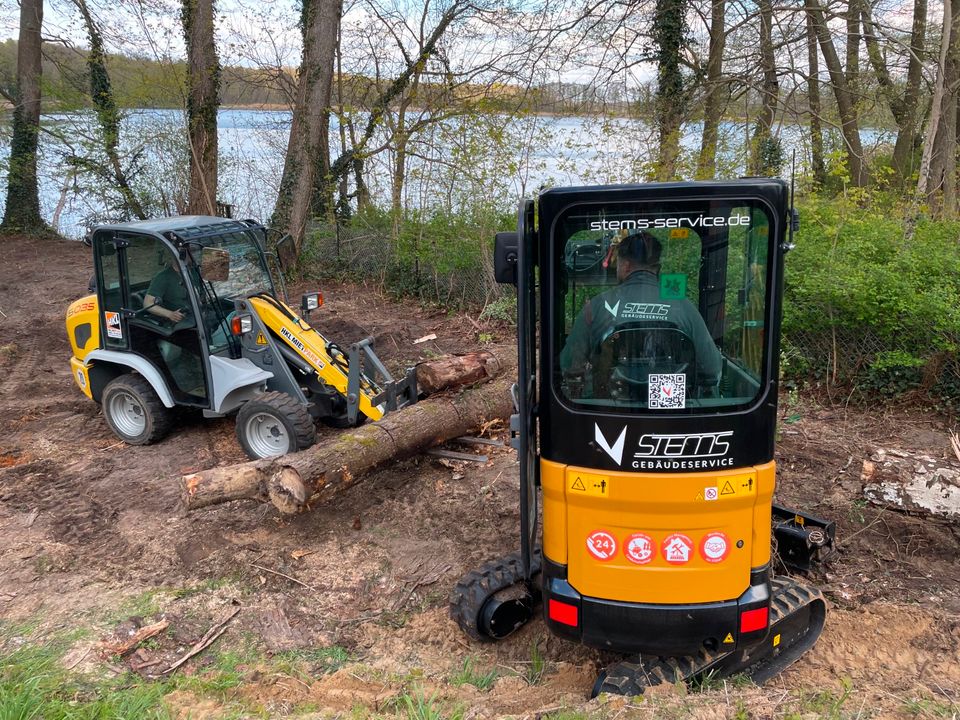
(167, 295)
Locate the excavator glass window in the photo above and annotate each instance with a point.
(661, 305)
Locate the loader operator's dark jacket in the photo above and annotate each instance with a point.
(637, 299)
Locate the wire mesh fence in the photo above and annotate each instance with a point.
(460, 277)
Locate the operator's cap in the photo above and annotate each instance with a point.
(640, 247)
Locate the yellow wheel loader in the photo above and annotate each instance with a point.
(185, 312)
(649, 341)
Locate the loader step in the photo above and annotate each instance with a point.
(797, 613)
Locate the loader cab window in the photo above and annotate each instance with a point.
(157, 289)
(662, 306)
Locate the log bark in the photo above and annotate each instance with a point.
(320, 472)
(203, 101)
(912, 483)
(468, 369)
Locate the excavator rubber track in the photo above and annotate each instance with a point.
(797, 613)
(493, 601)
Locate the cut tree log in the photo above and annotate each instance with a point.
(455, 370)
(912, 483)
(319, 472)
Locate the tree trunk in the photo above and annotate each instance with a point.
(203, 101)
(939, 182)
(22, 211)
(813, 97)
(925, 184)
(669, 27)
(306, 185)
(852, 67)
(108, 117)
(849, 124)
(908, 138)
(324, 470)
(904, 107)
(716, 93)
(765, 158)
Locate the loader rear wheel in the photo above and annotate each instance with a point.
(272, 424)
(133, 410)
(492, 602)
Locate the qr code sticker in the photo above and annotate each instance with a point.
(667, 392)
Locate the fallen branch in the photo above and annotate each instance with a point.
(206, 641)
(128, 645)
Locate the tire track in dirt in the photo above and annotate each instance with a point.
(72, 515)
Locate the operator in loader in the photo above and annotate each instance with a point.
(638, 276)
(166, 297)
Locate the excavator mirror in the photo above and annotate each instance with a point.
(286, 252)
(506, 250)
(214, 264)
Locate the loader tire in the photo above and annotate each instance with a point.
(274, 423)
(479, 586)
(133, 410)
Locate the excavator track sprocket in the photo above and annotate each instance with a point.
(797, 613)
(493, 601)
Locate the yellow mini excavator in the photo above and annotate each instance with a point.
(185, 311)
(649, 341)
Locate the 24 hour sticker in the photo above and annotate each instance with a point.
(601, 544)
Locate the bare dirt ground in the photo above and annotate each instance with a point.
(92, 537)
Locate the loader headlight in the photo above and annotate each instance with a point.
(311, 301)
(241, 324)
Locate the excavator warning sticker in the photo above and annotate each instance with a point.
(640, 548)
(114, 329)
(601, 544)
(598, 485)
(677, 549)
(728, 640)
(711, 493)
(261, 339)
(715, 547)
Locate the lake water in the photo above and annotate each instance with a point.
(451, 164)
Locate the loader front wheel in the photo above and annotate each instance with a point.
(133, 410)
(272, 424)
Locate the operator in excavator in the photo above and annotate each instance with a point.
(637, 299)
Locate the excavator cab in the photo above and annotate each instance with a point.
(648, 341)
(191, 311)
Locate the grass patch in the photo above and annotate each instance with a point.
(469, 675)
(415, 705)
(538, 664)
(34, 686)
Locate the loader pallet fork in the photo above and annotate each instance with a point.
(648, 346)
(797, 614)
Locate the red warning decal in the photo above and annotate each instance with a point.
(677, 549)
(601, 544)
(715, 547)
(639, 548)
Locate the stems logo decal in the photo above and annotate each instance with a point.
(616, 450)
(692, 451)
